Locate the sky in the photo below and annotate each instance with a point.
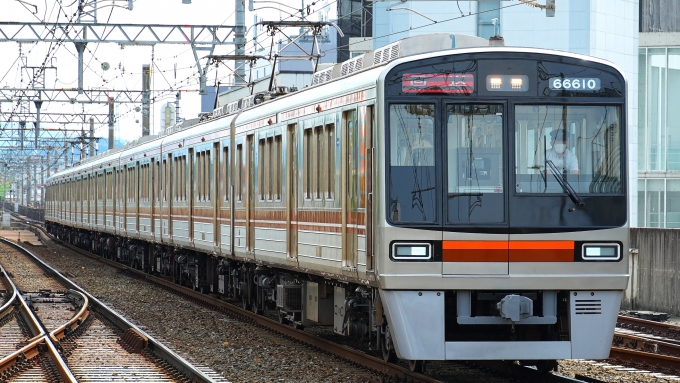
(173, 65)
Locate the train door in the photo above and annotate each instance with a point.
(155, 194)
(101, 199)
(80, 201)
(348, 189)
(215, 196)
(137, 197)
(250, 193)
(228, 199)
(476, 192)
(114, 199)
(191, 184)
(126, 198)
(168, 198)
(108, 205)
(291, 193)
(368, 153)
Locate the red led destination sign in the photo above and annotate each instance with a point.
(462, 83)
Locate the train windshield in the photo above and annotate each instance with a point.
(558, 150)
(474, 152)
(412, 159)
(580, 144)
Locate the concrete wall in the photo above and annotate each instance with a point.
(655, 271)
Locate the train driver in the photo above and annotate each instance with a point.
(563, 159)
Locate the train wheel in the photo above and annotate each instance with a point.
(282, 318)
(245, 304)
(417, 366)
(388, 347)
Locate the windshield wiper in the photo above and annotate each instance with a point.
(565, 184)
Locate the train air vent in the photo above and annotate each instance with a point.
(353, 65)
(322, 76)
(588, 306)
(247, 102)
(232, 107)
(386, 53)
(289, 297)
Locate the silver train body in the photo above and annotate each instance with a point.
(414, 195)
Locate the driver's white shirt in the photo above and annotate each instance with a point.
(567, 161)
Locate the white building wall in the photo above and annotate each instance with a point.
(606, 29)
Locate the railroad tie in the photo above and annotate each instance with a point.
(133, 341)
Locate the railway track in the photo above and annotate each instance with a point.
(647, 345)
(59, 333)
(441, 371)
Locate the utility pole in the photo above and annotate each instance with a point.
(240, 41)
(92, 154)
(111, 121)
(146, 95)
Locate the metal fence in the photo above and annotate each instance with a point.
(32, 213)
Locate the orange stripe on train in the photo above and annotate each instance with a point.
(504, 251)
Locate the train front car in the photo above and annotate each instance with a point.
(505, 229)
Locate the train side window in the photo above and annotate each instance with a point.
(270, 169)
(278, 163)
(208, 174)
(239, 170)
(167, 178)
(144, 183)
(175, 187)
(308, 162)
(319, 161)
(200, 160)
(183, 187)
(100, 187)
(157, 180)
(330, 160)
(261, 165)
(226, 170)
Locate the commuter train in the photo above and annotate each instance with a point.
(441, 198)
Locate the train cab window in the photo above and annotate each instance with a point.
(474, 152)
(412, 176)
(580, 144)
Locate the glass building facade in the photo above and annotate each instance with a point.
(659, 137)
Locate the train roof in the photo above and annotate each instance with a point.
(364, 70)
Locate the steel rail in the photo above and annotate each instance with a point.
(647, 326)
(646, 344)
(8, 307)
(39, 344)
(74, 322)
(156, 347)
(669, 363)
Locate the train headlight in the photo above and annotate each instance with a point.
(601, 252)
(411, 251)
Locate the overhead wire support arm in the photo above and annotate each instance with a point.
(124, 34)
(238, 58)
(91, 96)
(200, 37)
(314, 27)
